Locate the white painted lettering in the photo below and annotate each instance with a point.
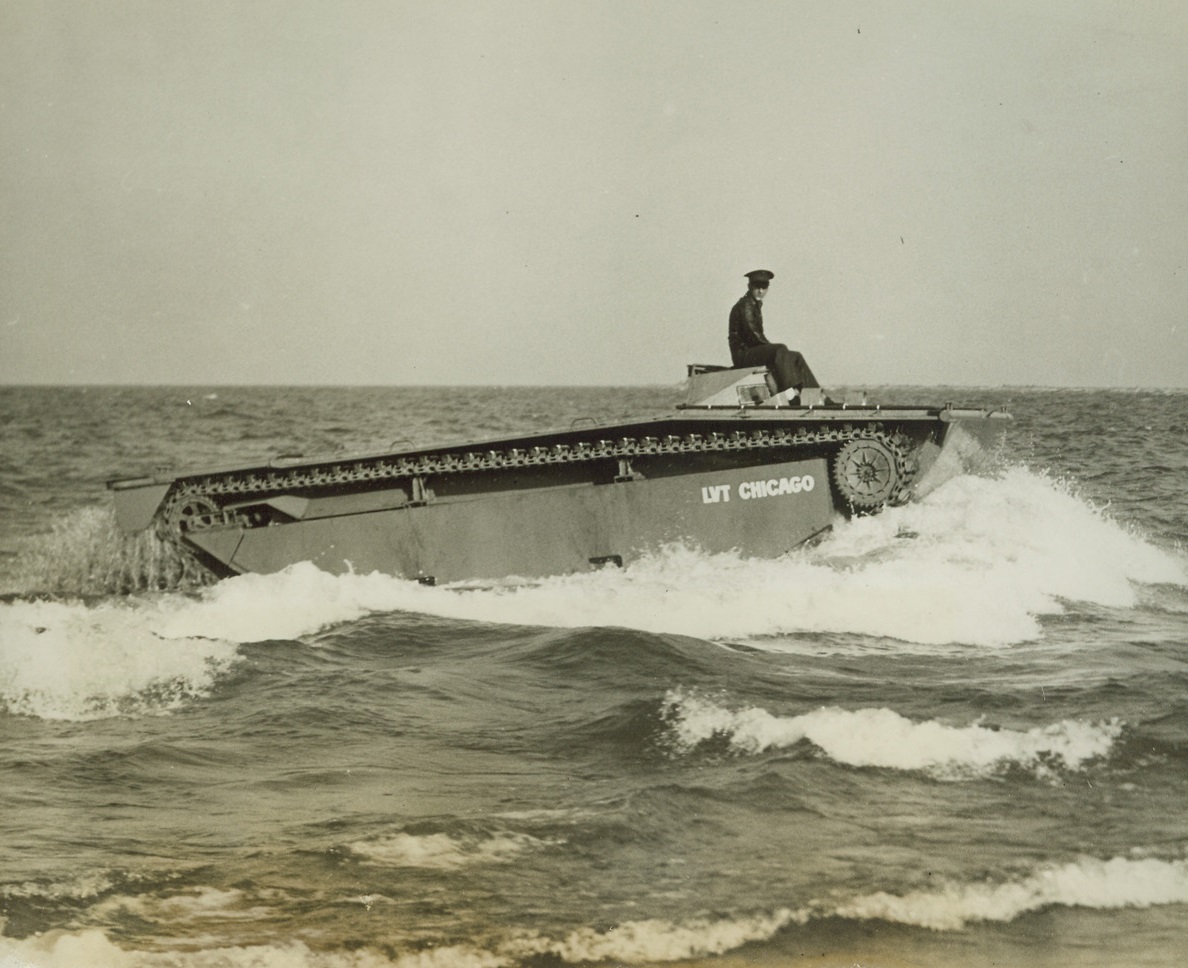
(715, 493)
(751, 490)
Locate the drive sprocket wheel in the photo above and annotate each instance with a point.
(868, 471)
(190, 512)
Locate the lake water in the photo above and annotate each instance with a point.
(953, 734)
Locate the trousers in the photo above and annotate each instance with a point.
(790, 368)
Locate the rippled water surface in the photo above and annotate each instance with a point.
(955, 733)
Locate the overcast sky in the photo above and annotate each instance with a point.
(980, 192)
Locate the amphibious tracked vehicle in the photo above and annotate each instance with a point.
(736, 467)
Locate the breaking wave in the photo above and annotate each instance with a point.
(883, 738)
(1116, 883)
(1119, 882)
(63, 660)
(152, 653)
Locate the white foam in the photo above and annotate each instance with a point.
(631, 942)
(986, 560)
(1088, 883)
(1117, 883)
(61, 949)
(883, 738)
(150, 654)
(635, 942)
(443, 852)
(71, 661)
(285, 605)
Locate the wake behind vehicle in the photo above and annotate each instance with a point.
(736, 467)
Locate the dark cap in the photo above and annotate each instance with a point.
(760, 277)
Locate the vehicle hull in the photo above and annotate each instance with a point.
(757, 480)
(546, 531)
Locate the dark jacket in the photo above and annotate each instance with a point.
(746, 326)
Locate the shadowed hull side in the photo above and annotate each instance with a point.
(549, 530)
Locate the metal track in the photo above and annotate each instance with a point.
(191, 504)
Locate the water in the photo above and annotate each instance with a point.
(951, 734)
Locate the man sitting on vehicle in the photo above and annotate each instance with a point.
(750, 347)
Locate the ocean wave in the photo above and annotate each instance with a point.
(71, 661)
(883, 738)
(1119, 882)
(152, 653)
(644, 941)
(630, 942)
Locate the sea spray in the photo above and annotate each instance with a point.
(85, 554)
